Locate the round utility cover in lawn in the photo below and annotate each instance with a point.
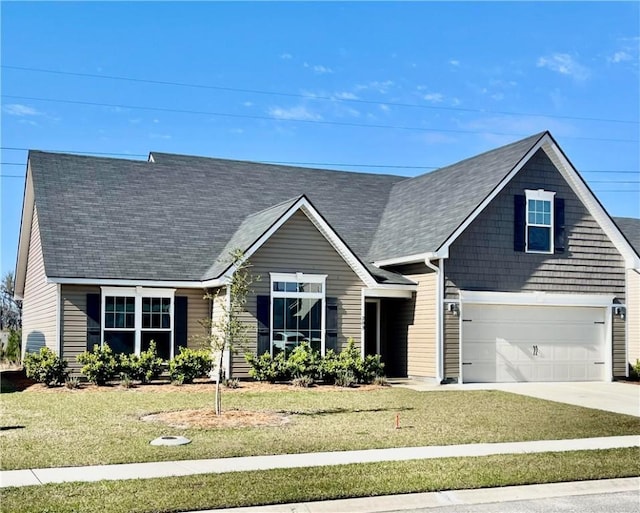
(170, 440)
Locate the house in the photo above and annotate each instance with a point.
(502, 267)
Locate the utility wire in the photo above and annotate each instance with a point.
(294, 120)
(289, 163)
(310, 96)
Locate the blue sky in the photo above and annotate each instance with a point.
(379, 87)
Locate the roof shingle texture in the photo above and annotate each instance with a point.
(176, 218)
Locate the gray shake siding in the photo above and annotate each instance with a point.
(39, 316)
(73, 319)
(299, 247)
(483, 258)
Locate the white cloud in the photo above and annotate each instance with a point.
(380, 86)
(297, 112)
(18, 109)
(345, 95)
(455, 102)
(434, 97)
(28, 122)
(286, 56)
(135, 121)
(620, 56)
(248, 104)
(564, 64)
(237, 131)
(159, 136)
(454, 62)
(384, 107)
(318, 68)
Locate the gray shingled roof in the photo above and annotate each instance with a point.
(423, 212)
(249, 231)
(630, 228)
(176, 217)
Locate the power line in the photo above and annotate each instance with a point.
(297, 163)
(311, 96)
(294, 120)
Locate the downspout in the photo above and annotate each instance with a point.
(439, 317)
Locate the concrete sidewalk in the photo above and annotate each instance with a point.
(30, 477)
(419, 501)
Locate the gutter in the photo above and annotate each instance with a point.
(439, 270)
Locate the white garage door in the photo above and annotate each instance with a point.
(504, 343)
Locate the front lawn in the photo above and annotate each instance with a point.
(82, 427)
(318, 483)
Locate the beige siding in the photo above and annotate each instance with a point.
(73, 319)
(73, 322)
(39, 307)
(451, 345)
(197, 311)
(421, 335)
(299, 247)
(619, 350)
(633, 314)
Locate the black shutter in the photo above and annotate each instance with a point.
(558, 225)
(93, 320)
(519, 225)
(331, 324)
(263, 317)
(180, 319)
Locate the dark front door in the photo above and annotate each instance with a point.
(371, 327)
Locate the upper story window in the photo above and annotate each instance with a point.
(539, 221)
(297, 311)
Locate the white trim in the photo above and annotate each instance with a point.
(534, 298)
(112, 282)
(547, 197)
(362, 312)
(28, 208)
(138, 293)
(570, 174)
(226, 357)
(299, 277)
(58, 317)
(377, 302)
(329, 234)
(405, 293)
(409, 259)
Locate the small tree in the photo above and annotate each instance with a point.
(227, 330)
(10, 308)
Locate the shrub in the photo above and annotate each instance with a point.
(46, 367)
(345, 378)
(266, 368)
(329, 366)
(143, 368)
(99, 365)
(302, 381)
(72, 383)
(304, 361)
(150, 365)
(634, 371)
(126, 381)
(231, 383)
(381, 381)
(190, 364)
(372, 368)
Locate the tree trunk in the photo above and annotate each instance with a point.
(218, 379)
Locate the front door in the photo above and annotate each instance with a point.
(372, 326)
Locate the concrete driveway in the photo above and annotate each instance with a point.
(614, 396)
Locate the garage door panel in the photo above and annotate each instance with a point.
(507, 343)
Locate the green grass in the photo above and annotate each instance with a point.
(69, 428)
(318, 483)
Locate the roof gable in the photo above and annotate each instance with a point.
(423, 212)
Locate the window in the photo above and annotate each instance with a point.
(297, 311)
(132, 318)
(539, 221)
